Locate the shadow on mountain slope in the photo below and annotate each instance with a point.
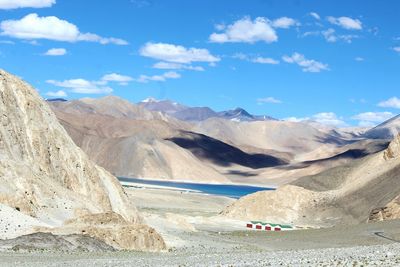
(222, 154)
(355, 153)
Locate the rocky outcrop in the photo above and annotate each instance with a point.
(390, 212)
(114, 230)
(43, 174)
(49, 242)
(393, 151)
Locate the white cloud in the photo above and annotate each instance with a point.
(329, 118)
(158, 78)
(393, 102)
(331, 36)
(177, 53)
(82, 86)
(220, 27)
(59, 93)
(240, 56)
(56, 52)
(307, 65)
(346, 23)
(326, 118)
(295, 119)
(33, 27)
(256, 59)
(176, 66)
(397, 49)
(315, 15)
(270, 100)
(359, 59)
(284, 23)
(7, 42)
(246, 31)
(114, 77)
(311, 33)
(372, 118)
(13, 4)
(265, 60)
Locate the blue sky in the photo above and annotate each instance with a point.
(333, 61)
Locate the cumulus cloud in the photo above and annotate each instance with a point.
(59, 93)
(176, 66)
(82, 86)
(246, 30)
(315, 15)
(33, 27)
(256, 59)
(329, 118)
(296, 119)
(372, 118)
(158, 78)
(56, 52)
(13, 4)
(177, 53)
(265, 60)
(346, 23)
(114, 77)
(393, 102)
(268, 100)
(307, 65)
(284, 23)
(326, 118)
(331, 36)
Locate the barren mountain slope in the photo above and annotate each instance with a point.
(115, 107)
(283, 136)
(387, 130)
(147, 147)
(342, 195)
(133, 142)
(136, 148)
(46, 180)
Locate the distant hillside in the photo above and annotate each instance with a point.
(387, 130)
(196, 114)
(348, 194)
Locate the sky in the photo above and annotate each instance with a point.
(333, 61)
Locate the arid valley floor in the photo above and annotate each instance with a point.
(197, 236)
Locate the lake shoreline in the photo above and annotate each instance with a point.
(227, 190)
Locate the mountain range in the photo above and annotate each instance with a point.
(147, 140)
(196, 114)
(58, 157)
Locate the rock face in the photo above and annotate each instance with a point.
(393, 150)
(344, 195)
(43, 174)
(390, 211)
(48, 241)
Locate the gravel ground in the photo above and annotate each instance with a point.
(188, 224)
(381, 255)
